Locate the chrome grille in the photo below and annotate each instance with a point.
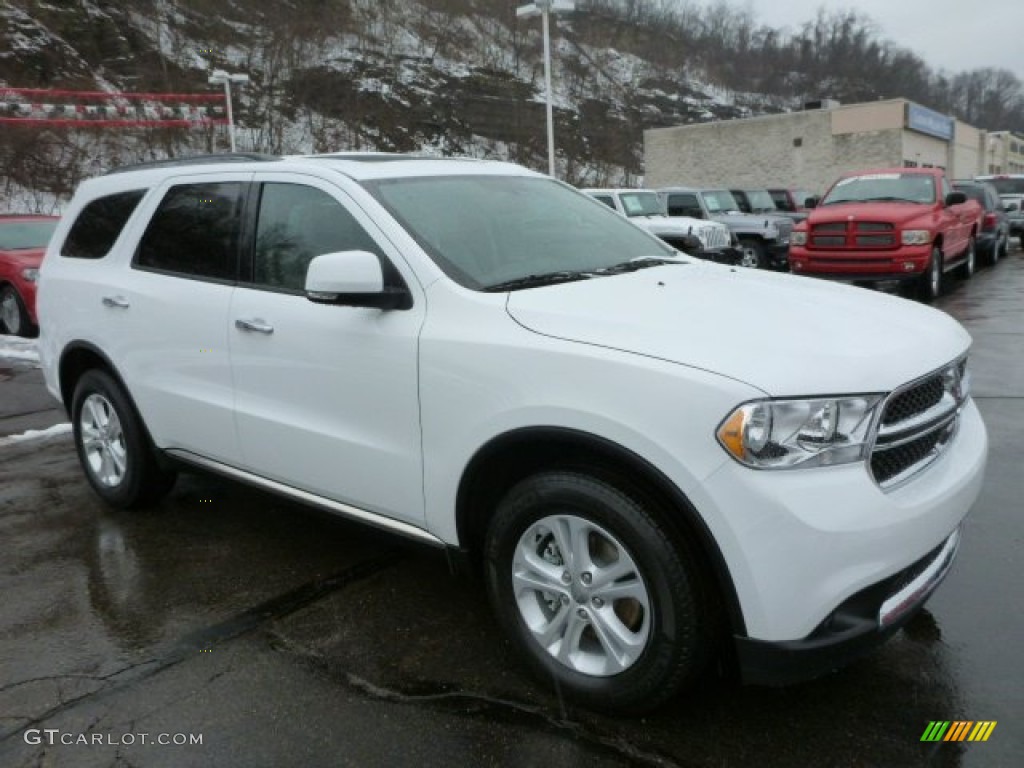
(917, 399)
(715, 237)
(918, 423)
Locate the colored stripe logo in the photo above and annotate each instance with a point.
(958, 730)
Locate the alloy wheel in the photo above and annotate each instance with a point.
(10, 312)
(581, 595)
(103, 441)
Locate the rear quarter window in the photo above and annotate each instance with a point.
(99, 224)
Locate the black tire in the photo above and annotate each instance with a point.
(753, 253)
(141, 482)
(678, 626)
(997, 250)
(14, 318)
(930, 286)
(970, 265)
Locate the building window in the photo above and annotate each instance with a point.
(909, 164)
(798, 142)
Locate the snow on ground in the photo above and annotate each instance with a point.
(17, 348)
(36, 434)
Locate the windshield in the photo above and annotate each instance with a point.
(641, 203)
(18, 235)
(720, 201)
(760, 200)
(884, 187)
(1008, 186)
(487, 230)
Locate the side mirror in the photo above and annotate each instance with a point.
(955, 198)
(812, 202)
(353, 279)
(1011, 207)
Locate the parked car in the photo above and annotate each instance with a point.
(902, 227)
(703, 239)
(759, 201)
(480, 358)
(993, 240)
(763, 239)
(1011, 190)
(23, 241)
(790, 199)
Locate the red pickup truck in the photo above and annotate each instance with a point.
(903, 226)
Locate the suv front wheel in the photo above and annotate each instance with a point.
(112, 445)
(594, 592)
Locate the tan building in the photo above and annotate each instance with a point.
(810, 149)
(1005, 152)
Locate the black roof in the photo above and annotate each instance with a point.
(227, 157)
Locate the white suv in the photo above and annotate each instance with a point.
(481, 358)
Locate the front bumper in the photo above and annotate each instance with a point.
(893, 266)
(859, 624)
(814, 554)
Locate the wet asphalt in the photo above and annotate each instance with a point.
(284, 637)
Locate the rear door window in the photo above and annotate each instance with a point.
(99, 224)
(195, 232)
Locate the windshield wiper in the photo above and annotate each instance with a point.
(537, 280)
(635, 264)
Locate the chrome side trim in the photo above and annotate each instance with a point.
(336, 507)
(921, 587)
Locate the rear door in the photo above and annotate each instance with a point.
(171, 308)
(326, 396)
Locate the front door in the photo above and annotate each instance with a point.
(326, 396)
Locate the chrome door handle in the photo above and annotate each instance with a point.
(254, 326)
(119, 302)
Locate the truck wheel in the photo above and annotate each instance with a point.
(594, 593)
(970, 261)
(931, 280)
(753, 254)
(113, 446)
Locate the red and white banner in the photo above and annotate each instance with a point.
(110, 109)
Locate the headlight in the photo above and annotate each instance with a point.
(31, 274)
(916, 237)
(798, 238)
(785, 434)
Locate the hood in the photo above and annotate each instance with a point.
(662, 225)
(752, 220)
(785, 335)
(896, 213)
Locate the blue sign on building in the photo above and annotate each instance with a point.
(927, 121)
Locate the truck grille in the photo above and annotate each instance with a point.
(715, 237)
(854, 234)
(918, 423)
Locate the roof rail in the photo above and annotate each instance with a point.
(226, 157)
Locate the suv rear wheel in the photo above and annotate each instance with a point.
(113, 446)
(594, 592)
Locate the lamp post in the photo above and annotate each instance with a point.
(544, 8)
(218, 77)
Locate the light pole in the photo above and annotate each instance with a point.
(544, 8)
(220, 76)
